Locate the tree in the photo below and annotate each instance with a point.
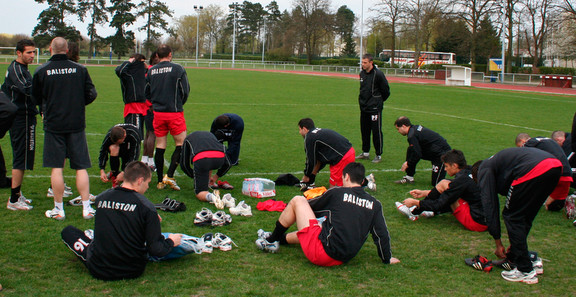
(488, 44)
(274, 31)
(98, 15)
(313, 23)
(421, 13)
(510, 11)
(154, 12)
(213, 17)
(122, 41)
(452, 36)
(472, 12)
(344, 26)
(186, 31)
(253, 15)
(52, 22)
(392, 11)
(540, 16)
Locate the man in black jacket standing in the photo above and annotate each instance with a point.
(18, 86)
(62, 89)
(168, 88)
(132, 74)
(423, 143)
(350, 214)
(374, 90)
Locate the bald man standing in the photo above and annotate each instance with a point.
(62, 89)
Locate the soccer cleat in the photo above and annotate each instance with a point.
(404, 180)
(28, 201)
(170, 181)
(67, 192)
(19, 205)
(427, 214)
(78, 200)
(225, 185)
(161, 186)
(220, 218)
(55, 213)
(538, 266)
(516, 275)
(88, 213)
(371, 182)
(216, 200)
(203, 217)
(479, 263)
(264, 245)
(403, 209)
(363, 156)
(114, 181)
(228, 200)
(207, 243)
(377, 159)
(263, 234)
(223, 242)
(242, 209)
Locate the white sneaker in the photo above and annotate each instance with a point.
(427, 214)
(371, 182)
(192, 244)
(19, 205)
(216, 200)
(28, 201)
(207, 243)
(55, 213)
(67, 192)
(538, 266)
(88, 213)
(223, 242)
(220, 218)
(516, 275)
(263, 234)
(228, 200)
(242, 209)
(271, 247)
(403, 209)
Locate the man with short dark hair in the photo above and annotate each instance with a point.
(461, 196)
(62, 88)
(374, 90)
(167, 88)
(423, 143)
(127, 230)
(18, 86)
(349, 215)
(525, 176)
(121, 142)
(132, 74)
(322, 147)
(229, 127)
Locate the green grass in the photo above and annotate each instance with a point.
(480, 122)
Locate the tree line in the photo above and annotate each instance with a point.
(473, 29)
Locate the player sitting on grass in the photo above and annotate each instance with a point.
(350, 214)
(461, 196)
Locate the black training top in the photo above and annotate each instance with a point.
(197, 142)
(167, 87)
(325, 146)
(18, 86)
(549, 145)
(424, 143)
(126, 231)
(374, 90)
(351, 214)
(62, 89)
(130, 147)
(133, 81)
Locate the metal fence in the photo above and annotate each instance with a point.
(511, 78)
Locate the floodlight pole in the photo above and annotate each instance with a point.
(234, 35)
(264, 38)
(198, 9)
(361, 31)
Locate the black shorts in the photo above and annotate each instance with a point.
(136, 120)
(149, 120)
(58, 147)
(202, 169)
(23, 139)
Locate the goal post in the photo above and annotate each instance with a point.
(11, 50)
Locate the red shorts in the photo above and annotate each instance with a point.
(561, 191)
(462, 214)
(312, 246)
(136, 107)
(336, 170)
(172, 122)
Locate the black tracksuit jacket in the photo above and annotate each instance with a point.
(325, 146)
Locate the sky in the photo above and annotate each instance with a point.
(20, 16)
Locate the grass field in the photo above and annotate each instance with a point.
(34, 261)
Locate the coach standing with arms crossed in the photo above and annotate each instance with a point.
(62, 89)
(374, 90)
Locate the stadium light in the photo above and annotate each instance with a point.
(234, 35)
(361, 31)
(198, 9)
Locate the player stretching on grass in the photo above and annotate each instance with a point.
(121, 142)
(350, 215)
(324, 146)
(168, 88)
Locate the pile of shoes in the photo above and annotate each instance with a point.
(220, 241)
(171, 205)
(206, 217)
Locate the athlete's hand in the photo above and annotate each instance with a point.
(418, 193)
(394, 260)
(500, 251)
(404, 166)
(103, 176)
(411, 202)
(177, 238)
